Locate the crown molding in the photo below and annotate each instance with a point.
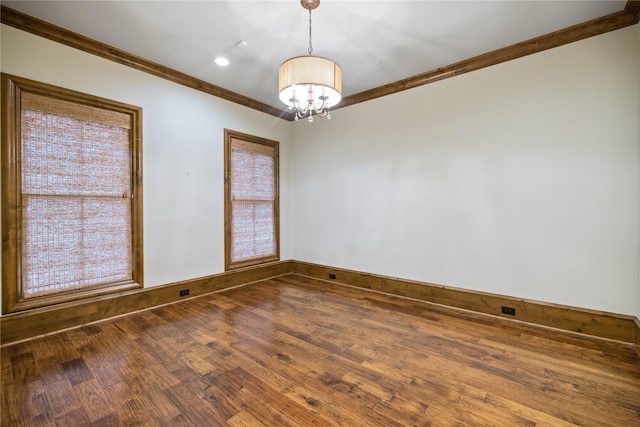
(633, 7)
(630, 15)
(49, 31)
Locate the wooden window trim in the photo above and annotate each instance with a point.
(229, 264)
(12, 89)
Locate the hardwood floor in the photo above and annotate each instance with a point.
(302, 352)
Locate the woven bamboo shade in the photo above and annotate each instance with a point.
(76, 209)
(252, 199)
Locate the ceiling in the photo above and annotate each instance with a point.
(375, 42)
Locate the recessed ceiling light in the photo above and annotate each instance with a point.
(222, 61)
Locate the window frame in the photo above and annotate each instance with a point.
(228, 262)
(12, 297)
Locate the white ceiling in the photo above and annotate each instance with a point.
(375, 42)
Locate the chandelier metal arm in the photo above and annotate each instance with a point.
(311, 107)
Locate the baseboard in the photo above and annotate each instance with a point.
(600, 324)
(31, 323)
(18, 326)
(636, 334)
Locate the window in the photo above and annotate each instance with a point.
(251, 200)
(71, 195)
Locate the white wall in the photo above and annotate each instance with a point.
(520, 179)
(182, 151)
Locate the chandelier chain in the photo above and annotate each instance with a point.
(310, 46)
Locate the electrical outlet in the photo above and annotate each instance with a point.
(332, 276)
(184, 292)
(508, 310)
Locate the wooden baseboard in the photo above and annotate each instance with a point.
(636, 334)
(31, 323)
(601, 324)
(18, 326)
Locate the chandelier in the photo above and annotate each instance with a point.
(310, 85)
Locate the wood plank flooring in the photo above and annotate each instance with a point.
(294, 351)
